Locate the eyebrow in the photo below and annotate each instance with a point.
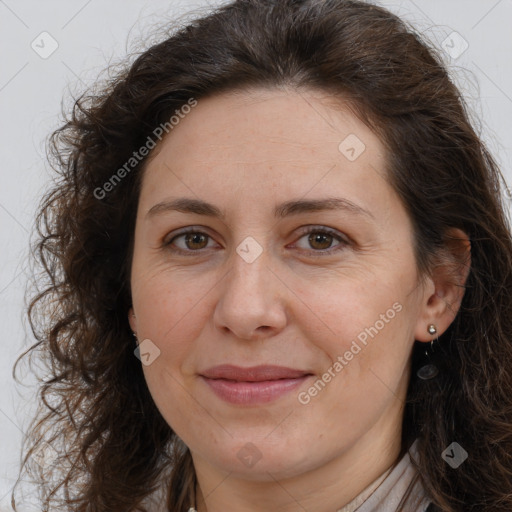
(289, 208)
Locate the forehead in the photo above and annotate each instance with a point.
(280, 131)
(249, 150)
(253, 159)
(272, 122)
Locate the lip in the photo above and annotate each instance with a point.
(253, 385)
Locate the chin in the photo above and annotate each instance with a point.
(258, 462)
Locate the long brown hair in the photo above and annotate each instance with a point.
(96, 411)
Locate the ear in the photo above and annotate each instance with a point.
(132, 320)
(445, 286)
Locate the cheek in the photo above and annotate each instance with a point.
(343, 310)
(171, 314)
(365, 330)
(171, 306)
(365, 367)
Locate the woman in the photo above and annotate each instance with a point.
(285, 204)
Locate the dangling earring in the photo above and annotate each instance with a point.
(429, 370)
(134, 333)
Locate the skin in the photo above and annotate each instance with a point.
(295, 305)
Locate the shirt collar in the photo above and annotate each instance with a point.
(387, 491)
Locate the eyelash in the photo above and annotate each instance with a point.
(313, 229)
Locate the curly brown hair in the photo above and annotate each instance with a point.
(96, 411)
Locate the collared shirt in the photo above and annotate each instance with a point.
(387, 491)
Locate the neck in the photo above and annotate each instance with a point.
(322, 489)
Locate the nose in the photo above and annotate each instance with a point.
(251, 302)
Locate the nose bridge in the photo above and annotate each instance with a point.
(249, 276)
(250, 298)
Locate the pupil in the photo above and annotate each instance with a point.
(314, 238)
(195, 238)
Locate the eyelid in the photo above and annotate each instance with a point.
(342, 239)
(305, 230)
(167, 241)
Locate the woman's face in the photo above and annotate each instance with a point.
(302, 258)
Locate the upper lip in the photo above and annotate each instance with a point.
(253, 373)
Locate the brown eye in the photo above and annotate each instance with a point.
(188, 242)
(196, 240)
(320, 241)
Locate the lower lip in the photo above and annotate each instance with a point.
(248, 393)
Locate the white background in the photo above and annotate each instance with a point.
(91, 35)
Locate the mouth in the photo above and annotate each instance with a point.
(254, 385)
